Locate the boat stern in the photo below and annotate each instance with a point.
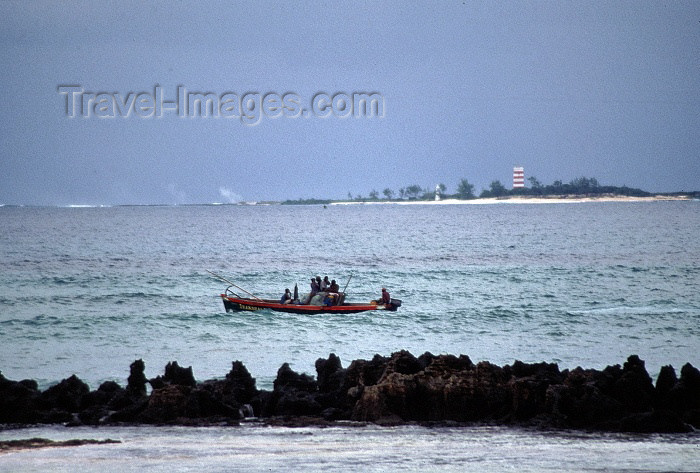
(235, 305)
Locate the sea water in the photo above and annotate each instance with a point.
(256, 448)
(86, 291)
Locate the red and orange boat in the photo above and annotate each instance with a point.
(234, 303)
(320, 303)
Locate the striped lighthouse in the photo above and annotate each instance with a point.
(518, 177)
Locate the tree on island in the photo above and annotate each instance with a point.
(496, 190)
(412, 192)
(534, 182)
(465, 190)
(579, 186)
(535, 185)
(585, 184)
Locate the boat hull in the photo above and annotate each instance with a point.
(235, 304)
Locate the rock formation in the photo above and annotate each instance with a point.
(396, 389)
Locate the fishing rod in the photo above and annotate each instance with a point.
(348, 283)
(237, 287)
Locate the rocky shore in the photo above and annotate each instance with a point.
(397, 389)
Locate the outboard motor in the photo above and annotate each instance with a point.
(394, 304)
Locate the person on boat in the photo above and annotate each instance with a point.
(287, 297)
(329, 300)
(315, 285)
(314, 290)
(325, 284)
(386, 297)
(334, 287)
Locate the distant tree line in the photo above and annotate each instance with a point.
(578, 186)
(465, 191)
(307, 202)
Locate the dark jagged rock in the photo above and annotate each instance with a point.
(481, 392)
(403, 363)
(435, 393)
(130, 409)
(690, 377)
(634, 389)
(166, 404)
(289, 379)
(29, 384)
(446, 362)
(65, 396)
(18, 401)
(293, 395)
(103, 395)
(232, 397)
(332, 393)
(665, 382)
(177, 396)
(93, 415)
(127, 404)
(689, 385)
(207, 405)
(396, 389)
(529, 385)
(96, 403)
(240, 384)
(365, 373)
(548, 371)
(236, 390)
(137, 379)
(330, 374)
(174, 374)
(681, 396)
(580, 401)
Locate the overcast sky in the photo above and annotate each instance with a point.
(469, 89)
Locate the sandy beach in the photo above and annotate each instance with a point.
(564, 199)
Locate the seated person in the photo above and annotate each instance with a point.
(315, 286)
(286, 297)
(334, 286)
(386, 298)
(330, 299)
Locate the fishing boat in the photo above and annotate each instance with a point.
(234, 303)
(320, 303)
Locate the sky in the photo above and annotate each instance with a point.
(106, 103)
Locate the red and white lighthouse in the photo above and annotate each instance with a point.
(518, 177)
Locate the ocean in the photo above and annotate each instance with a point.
(86, 291)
